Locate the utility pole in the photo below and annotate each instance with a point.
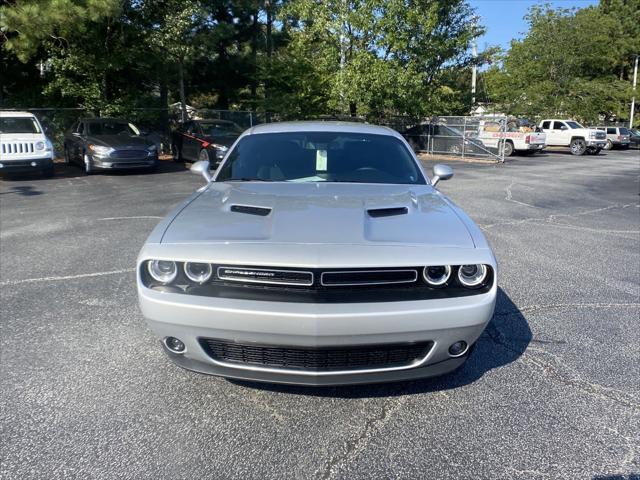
(474, 71)
(633, 98)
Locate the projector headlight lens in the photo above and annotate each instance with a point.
(198, 272)
(163, 271)
(472, 275)
(436, 275)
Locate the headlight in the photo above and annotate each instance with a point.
(152, 148)
(39, 145)
(163, 271)
(436, 275)
(593, 134)
(472, 275)
(197, 272)
(100, 150)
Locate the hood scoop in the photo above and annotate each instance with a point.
(387, 212)
(251, 210)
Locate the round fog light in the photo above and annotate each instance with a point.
(174, 344)
(458, 349)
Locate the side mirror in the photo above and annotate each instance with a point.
(563, 127)
(441, 172)
(202, 168)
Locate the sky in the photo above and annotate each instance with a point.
(503, 19)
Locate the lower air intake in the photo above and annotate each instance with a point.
(316, 359)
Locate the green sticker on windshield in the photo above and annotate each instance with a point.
(321, 160)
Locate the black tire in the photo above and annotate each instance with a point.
(578, 146)
(48, 171)
(508, 149)
(88, 168)
(205, 154)
(597, 150)
(176, 153)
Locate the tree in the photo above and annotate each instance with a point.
(566, 65)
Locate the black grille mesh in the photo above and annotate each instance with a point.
(316, 359)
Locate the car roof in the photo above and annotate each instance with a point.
(321, 126)
(9, 113)
(103, 119)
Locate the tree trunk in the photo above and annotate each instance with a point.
(352, 109)
(254, 58)
(164, 96)
(183, 100)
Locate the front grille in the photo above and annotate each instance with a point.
(129, 154)
(368, 277)
(316, 359)
(15, 148)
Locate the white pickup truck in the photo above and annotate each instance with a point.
(514, 137)
(569, 133)
(23, 144)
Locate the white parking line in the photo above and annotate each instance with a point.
(68, 277)
(129, 218)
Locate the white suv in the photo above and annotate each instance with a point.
(569, 133)
(23, 144)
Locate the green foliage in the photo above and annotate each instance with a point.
(570, 63)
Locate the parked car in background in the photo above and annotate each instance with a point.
(569, 133)
(24, 147)
(616, 137)
(442, 139)
(203, 140)
(634, 138)
(320, 253)
(108, 144)
(516, 136)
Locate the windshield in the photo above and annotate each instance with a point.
(111, 128)
(574, 125)
(216, 129)
(19, 125)
(321, 157)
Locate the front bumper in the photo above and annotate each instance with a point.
(441, 321)
(25, 164)
(108, 163)
(596, 143)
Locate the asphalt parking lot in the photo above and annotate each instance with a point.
(552, 390)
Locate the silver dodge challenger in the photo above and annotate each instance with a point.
(318, 253)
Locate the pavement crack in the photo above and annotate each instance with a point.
(509, 197)
(353, 446)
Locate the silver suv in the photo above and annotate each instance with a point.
(616, 137)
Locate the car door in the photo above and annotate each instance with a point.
(77, 143)
(190, 143)
(558, 134)
(612, 134)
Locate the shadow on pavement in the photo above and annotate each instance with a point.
(503, 342)
(25, 191)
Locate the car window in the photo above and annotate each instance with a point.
(611, 131)
(546, 125)
(558, 125)
(111, 128)
(80, 128)
(19, 125)
(624, 131)
(574, 125)
(321, 157)
(220, 129)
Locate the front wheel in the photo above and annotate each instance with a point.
(88, 168)
(47, 172)
(578, 146)
(204, 156)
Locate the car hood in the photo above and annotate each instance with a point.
(119, 141)
(319, 213)
(226, 140)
